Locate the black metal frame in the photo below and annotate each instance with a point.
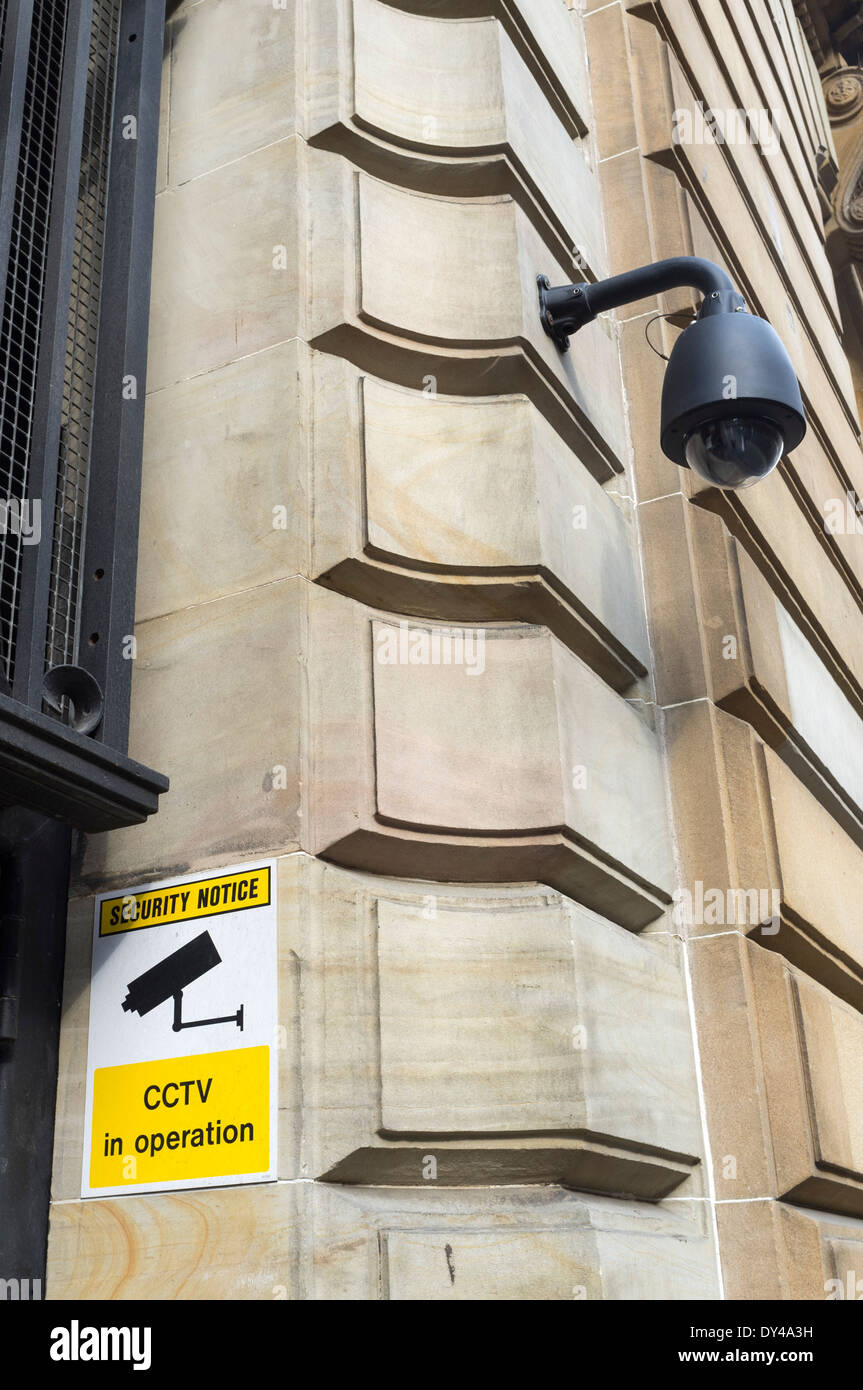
(46, 763)
(35, 854)
(567, 308)
(111, 540)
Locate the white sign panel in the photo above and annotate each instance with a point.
(181, 1067)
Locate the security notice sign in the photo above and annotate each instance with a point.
(181, 1066)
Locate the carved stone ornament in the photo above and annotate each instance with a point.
(843, 93)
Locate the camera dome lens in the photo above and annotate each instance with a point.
(734, 453)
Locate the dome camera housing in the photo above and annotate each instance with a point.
(730, 400)
(731, 404)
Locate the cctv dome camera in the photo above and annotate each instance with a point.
(730, 400)
(733, 453)
(731, 404)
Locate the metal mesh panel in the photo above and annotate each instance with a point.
(81, 341)
(22, 308)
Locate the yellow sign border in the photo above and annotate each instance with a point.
(107, 904)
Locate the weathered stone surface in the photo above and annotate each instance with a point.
(386, 85)
(229, 97)
(732, 1068)
(830, 1038)
(811, 586)
(549, 40)
(445, 1245)
(492, 1265)
(615, 117)
(224, 503)
(781, 42)
(771, 280)
(781, 1055)
(511, 731)
(304, 1241)
(729, 637)
(220, 290)
(814, 471)
(224, 1244)
(655, 475)
(197, 713)
(432, 1026)
(769, 164)
(786, 874)
(491, 759)
(750, 64)
(436, 506)
(770, 1252)
(445, 288)
(630, 242)
(820, 868)
(467, 509)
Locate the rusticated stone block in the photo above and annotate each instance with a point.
(454, 108)
(506, 1245)
(489, 754)
(443, 507)
(781, 1056)
(816, 586)
(771, 1252)
(483, 755)
(500, 1035)
(442, 293)
(468, 509)
(726, 635)
(550, 41)
(780, 205)
(787, 874)
(829, 1035)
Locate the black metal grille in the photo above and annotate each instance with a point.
(77, 413)
(23, 304)
(76, 224)
(76, 235)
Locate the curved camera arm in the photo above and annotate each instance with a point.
(569, 307)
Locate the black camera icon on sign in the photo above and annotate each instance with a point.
(169, 978)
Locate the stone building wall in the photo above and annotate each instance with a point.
(513, 1063)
